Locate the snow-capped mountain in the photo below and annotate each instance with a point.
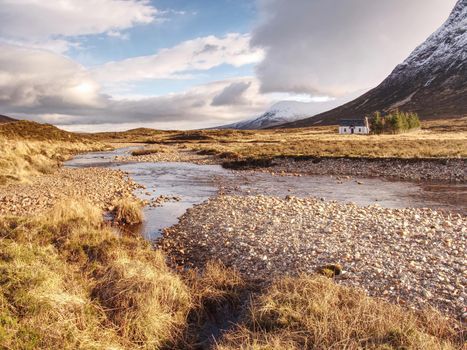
(432, 81)
(280, 113)
(286, 112)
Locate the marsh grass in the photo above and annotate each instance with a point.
(149, 150)
(144, 301)
(67, 281)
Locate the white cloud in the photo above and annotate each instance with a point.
(178, 61)
(40, 23)
(333, 47)
(36, 78)
(118, 34)
(46, 18)
(192, 107)
(63, 92)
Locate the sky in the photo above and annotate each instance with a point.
(93, 65)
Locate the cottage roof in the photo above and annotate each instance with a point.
(352, 122)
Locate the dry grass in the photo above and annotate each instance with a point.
(149, 150)
(21, 160)
(442, 138)
(68, 281)
(145, 302)
(128, 211)
(44, 303)
(215, 282)
(27, 130)
(28, 149)
(314, 313)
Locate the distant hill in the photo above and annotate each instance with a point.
(5, 119)
(432, 81)
(23, 129)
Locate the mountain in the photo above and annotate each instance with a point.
(5, 119)
(284, 112)
(432, 81)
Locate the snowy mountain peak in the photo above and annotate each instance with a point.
(283, 112)
(447, 45)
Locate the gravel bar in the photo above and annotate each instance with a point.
(99, 185)
(453, 170)
(414, 257)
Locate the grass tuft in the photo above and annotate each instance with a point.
(128, 211)
(144, 301)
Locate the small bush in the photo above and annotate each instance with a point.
(128, 211)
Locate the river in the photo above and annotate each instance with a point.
(193, 184)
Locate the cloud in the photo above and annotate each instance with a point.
(46, 18)
(333, 47)
(36, 78)
(34, 22)
(63, 92)
(192, 106)
(232, 95)
(179, 61)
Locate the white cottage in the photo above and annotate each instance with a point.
(354, 126)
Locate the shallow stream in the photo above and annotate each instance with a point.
(193, 184)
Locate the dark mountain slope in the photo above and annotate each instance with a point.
(432, 81)
(5, 119)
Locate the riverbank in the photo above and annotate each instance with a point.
(99, 186)
(414, 257)
(450, 170)
(69, 282)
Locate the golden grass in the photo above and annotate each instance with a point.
(215, 283)
(67, 281)
(21, 160)
(438, 139)
(128, 211)
(144, 301)
(312, 312)
(149, 150)
(316, 143)
(28, 149)
(45, 305)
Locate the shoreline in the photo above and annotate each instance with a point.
(439, 169)
(100, 186)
